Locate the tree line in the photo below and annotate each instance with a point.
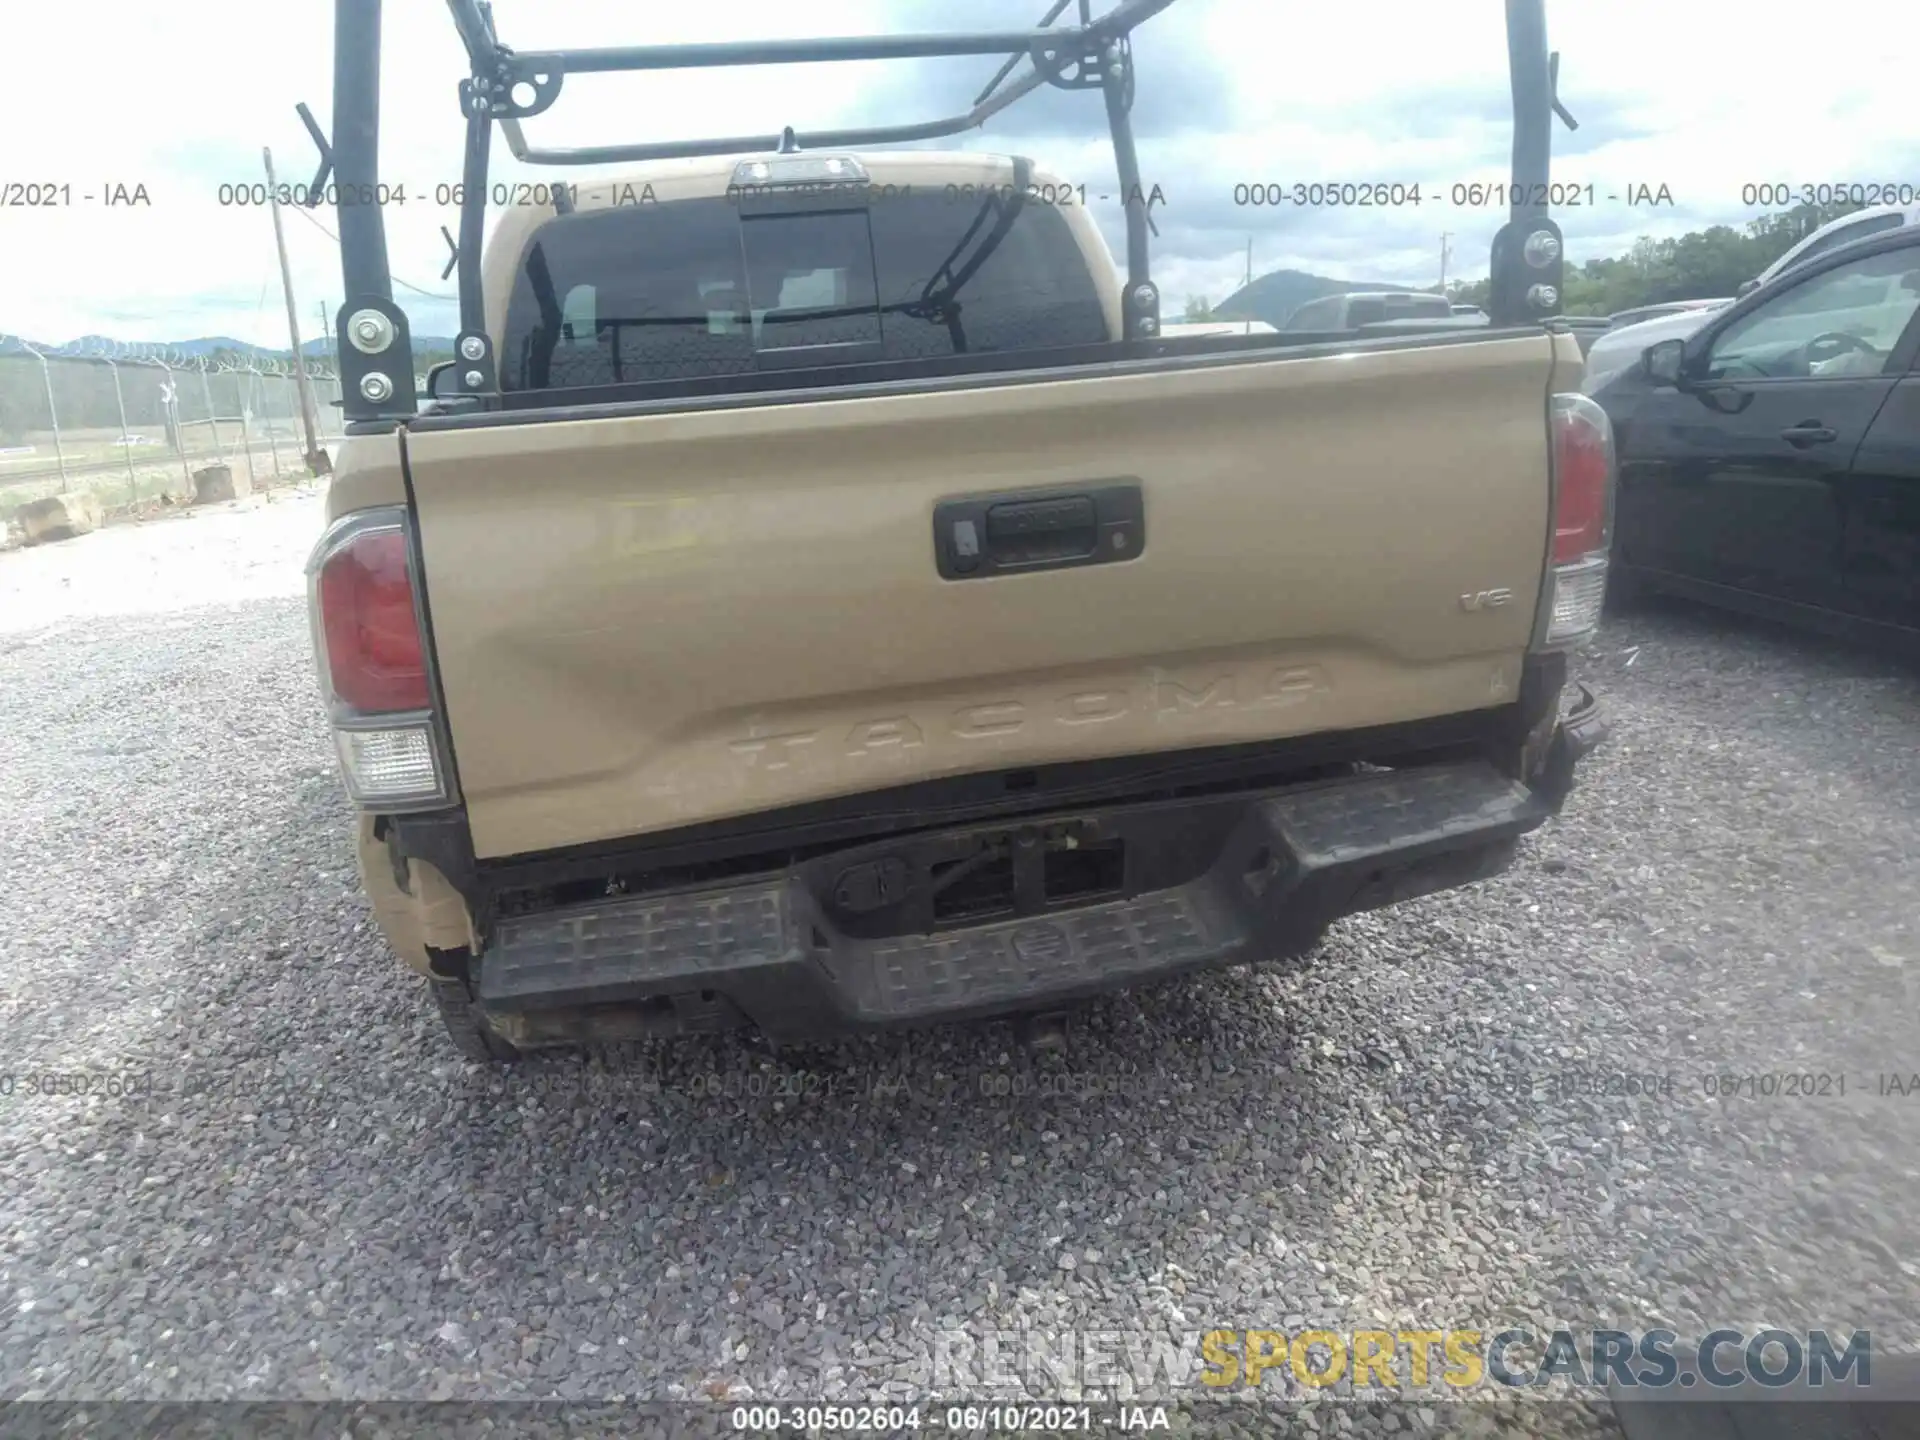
(1700, 265)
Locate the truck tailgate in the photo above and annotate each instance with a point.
(648, 621)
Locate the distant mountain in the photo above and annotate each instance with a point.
(85, 342)
(208, 344)
(1277, 294)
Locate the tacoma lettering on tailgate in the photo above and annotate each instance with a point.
(1164, 697)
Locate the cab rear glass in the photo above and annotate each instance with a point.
(694, 288)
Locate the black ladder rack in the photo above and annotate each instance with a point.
(507, 86)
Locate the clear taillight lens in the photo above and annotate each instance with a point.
(1583, 482)
(389, 766)
(1577, 594)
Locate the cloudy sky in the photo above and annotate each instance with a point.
(1702, 97)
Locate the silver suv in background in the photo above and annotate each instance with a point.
(1874, 220)
(1620, 319)
(1369, 307)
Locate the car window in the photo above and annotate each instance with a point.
(577, 313)
(810, 280)
(1846, 235)
(1645, 312)
(1856, 312)
(1316, 315)
(1374, 309)
(692, 288)
(971, 275)
(669, 297)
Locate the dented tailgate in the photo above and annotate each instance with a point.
(650, 621)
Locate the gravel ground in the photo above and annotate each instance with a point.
(314, 1198)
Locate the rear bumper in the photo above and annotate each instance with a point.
(1577, 736)
(1250, 877)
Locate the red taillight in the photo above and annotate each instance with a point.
(374, 655)
(1583, 478)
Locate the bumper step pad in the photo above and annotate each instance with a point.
(1297, 861)
(1101, 944)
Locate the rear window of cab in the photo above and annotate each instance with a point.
(694, 288)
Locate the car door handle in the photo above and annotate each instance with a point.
(1809, 432)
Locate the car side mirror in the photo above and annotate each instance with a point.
(1747, 287)
(1663, 361)
(442, 383)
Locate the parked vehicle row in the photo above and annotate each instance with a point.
(1357, 308)
(1179, 329)
(1620, 319)
(1874, 220)
(1632, 331)
(1770, 460)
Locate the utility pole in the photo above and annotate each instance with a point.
(317, 462)
(332, 346)
(1248, 329)
(1445, 251)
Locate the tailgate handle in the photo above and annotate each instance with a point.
(987, 535)
(1031, 531)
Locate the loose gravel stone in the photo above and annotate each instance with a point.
(311, 1196)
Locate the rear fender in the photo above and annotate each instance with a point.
(415, 906)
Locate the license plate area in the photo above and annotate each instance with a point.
(973, 878)
(979, 887)
(1085, 871)
(987, 885)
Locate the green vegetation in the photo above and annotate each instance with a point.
(1699, 265)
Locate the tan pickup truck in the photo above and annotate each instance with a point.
(837, 626)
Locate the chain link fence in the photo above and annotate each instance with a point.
(132, 424)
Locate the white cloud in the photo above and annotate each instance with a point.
(1700, 97)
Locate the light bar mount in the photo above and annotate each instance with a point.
(1527, 274)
